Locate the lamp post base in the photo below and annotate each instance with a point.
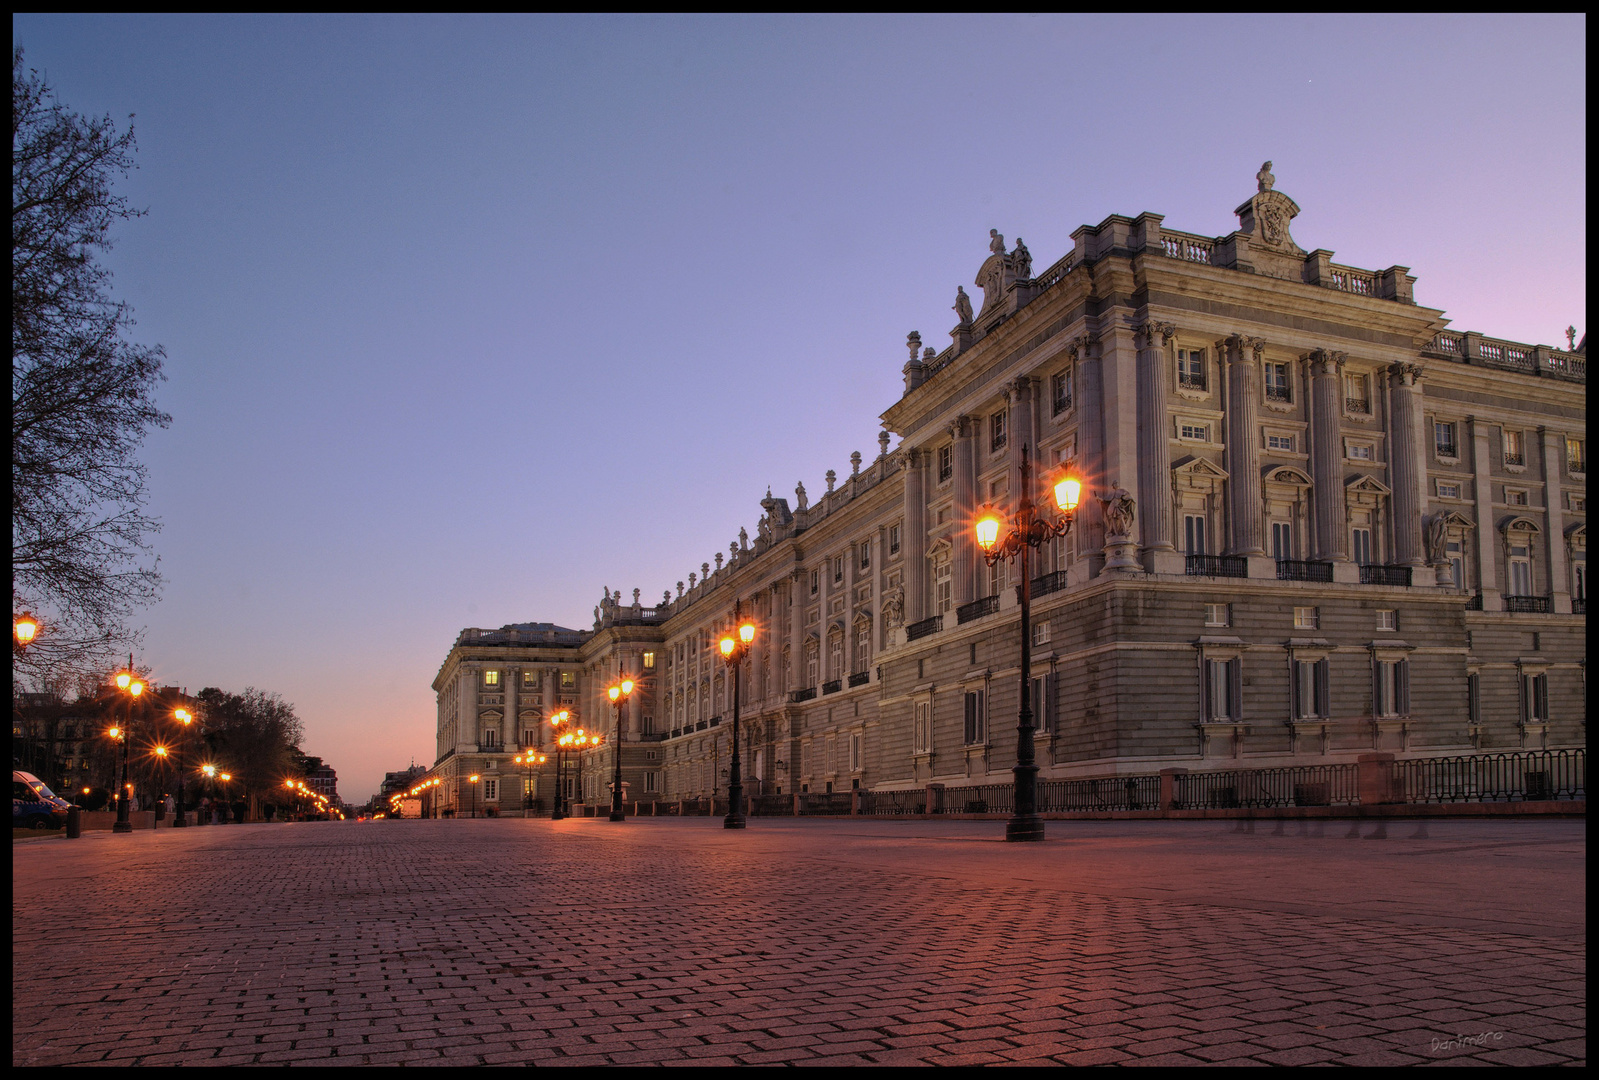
(617, 815)
(122, 826)
(1024, 828)
(733, 821)
(180, 821)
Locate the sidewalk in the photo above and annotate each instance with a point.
(800, 941)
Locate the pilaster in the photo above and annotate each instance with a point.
(1090, 527)
(1553, 452)
(915, 537)
(1154, 445)
(1244, 357)
(1331, 537)
(964, 466)
(1408, 465)
(1482, 493)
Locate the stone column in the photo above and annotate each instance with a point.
(1090, 527)
(1408, 467)
(1244, 356)
(511, 726)
(915, 538)
(551, 688)
(1331, 538)
(1154, 449)
(875, 574)
(1553, 453)
(964, 433)
(1486, 534)
(798, 598)
(466, 731)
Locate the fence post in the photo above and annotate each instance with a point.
(1376, 779)
(935, 798)
(854, 801)
(796, 804)
(1168, 788)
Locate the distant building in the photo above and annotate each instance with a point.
(1315, 522)
(325, 782)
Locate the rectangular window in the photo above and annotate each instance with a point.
(1305, 618)
(1042, 702)
(1448, 491)
(838, 569)
(865, 549)
(1282, 540)
(1196, 432)
(1579, 575)
(1041, 633)
(1357, 399)
(946, 463)
(1310, 690)
(1515, 448)
(649, 661)
(1515, 497)
(1223, 689)
(893, 539)
(996, 431)
(1362, 546)
(1473, 699)
(1191, 369)
(855, 757)
(568, 680)
(1443, 438)
(1387, 619)
(1193, 534)
(1535, 697)
(996, 577)
(976, 727)
(491, 790)
(920, 734)
(652, 782)
(1457, 563)
(1355, 451)
(530, 738)
(943, 597)
(1576, 455)
(816, 582)
(1520, 571)
(491, 678)
(1277, 383)
(1280, 442)
(1218, 614)
(1060, 393)
(1392, 693)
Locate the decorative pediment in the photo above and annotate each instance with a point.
(1197, 474)
(491, 714)
(1520, 524)
(940, 549)
(1577, 536)
(1454, 519)
(1286, 475)
(531, 714)
(863, 617)
(1365, 490)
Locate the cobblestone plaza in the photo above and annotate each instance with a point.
(803, 941)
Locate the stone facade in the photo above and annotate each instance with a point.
(1316, 522)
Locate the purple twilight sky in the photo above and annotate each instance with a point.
(468, 317)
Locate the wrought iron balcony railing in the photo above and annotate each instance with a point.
(1533, 605)
(1217, 566)
(1296, 570)
(1385, 575)
(923, 628)
(977, 609)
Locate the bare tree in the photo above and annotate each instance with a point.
(81, 393)
(256, 734)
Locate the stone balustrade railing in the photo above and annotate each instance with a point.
(1472, 348)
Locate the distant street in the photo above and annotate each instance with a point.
(802, 941)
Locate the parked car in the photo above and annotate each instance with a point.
(34, 805)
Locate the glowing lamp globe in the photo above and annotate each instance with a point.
(987, 530)
(746, 633)
(1068, 492)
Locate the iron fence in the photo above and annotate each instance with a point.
(1299, 785)
(1299, 570)
(909, 801)
(824, 802)
(1216, 566)
(771, 806)
(1106, 793)
(923, 628)
(1529, 775)
(1385, 575)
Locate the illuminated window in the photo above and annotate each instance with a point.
(649, 660)
(1305, 618)
(568, 680)
(1576, 455)
(1515, 448)
(529, 678)
(491, 678)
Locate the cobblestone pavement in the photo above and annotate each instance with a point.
(824, 941)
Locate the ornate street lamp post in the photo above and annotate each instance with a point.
(1027, 531)
(619, 695)
(529, 759)
(556, 720)
(133, 687)
(473, 781)
(24, 628)
(184, 717)
(735, 646)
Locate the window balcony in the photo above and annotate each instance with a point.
(832, 686)
(1579, 605)
(860, 678)
(1357, 406)
(1277, 393)
(1385, 575)
(1533, 605)
(1516, 459)
(1448, 449)
(924, 628)
(976, 609)
(1296, 570)
(1475, 603)
(1191, 382)
(1216, 566)
(802, 695)
(1049, 583)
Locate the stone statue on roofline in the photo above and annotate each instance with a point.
(1264, 178)
(996, 242)
(801, 500)
(963, 306)
(1024, 260)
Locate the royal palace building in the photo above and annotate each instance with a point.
(1316, 522)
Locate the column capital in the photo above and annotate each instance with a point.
(1406, 374)
(1324, 361)
(1146, 334)
(1079, 346)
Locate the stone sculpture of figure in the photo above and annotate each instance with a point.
(963, 306)
(893, 608)
(1024, 260)
(1119, 510)
(996, 242)
(606, 591)
(1436, 537)
(636, 593)
(801, 501)
(763, 527)
(832, 478)
(743, 539)
(596, 615)
(1264, 177)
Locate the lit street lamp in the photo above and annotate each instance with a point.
(735, 646)
(556, 720)
(133, 687)
(529, 759)
(1027, 531)
(24, 628)
(619, 695)
(184, 717)
(473, 780)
